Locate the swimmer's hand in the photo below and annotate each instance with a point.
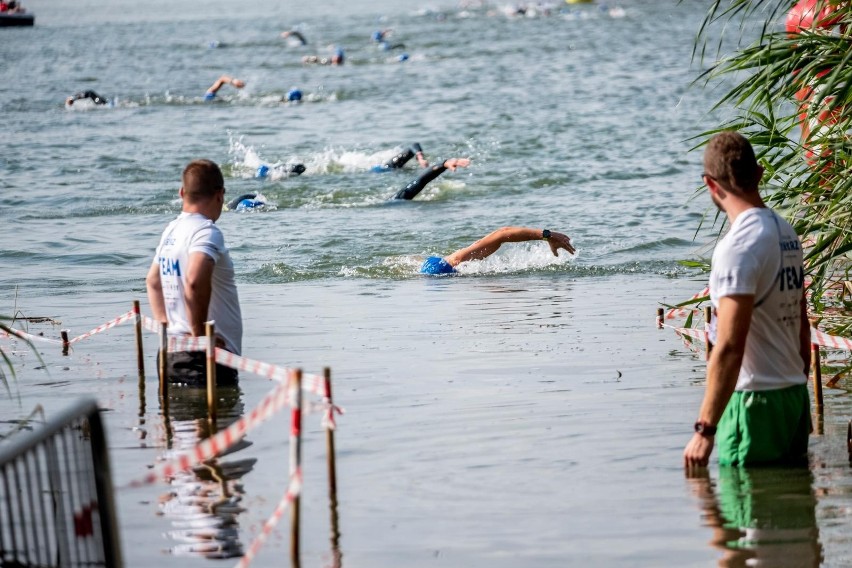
(424, 163)
(560, 241)
(238, 83)
(454, 163)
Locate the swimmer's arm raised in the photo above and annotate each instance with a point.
(488, 245)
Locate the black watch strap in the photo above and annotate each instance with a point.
(545, 234)
(705, 429)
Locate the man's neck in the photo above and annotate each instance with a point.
(737, 205)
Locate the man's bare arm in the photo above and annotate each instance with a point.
(155, 293)
(199, 287)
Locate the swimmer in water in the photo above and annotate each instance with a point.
(398, 161)
(337, 58)
(295, 37)
(244, 202)
(91, 95)
(411, 190)
(488, 245)
(381, 39)
(223, 80)
(255, 200)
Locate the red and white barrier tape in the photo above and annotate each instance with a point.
(293, 491)
(681, 312)
(817, 337)
(103, 327)
(31, 337)
(150, 324)
(314, 384)
(217, 444)
(825, 340)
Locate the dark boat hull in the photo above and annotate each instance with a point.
(12, 20)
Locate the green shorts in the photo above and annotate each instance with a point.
(761, 427)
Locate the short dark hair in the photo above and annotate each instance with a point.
(202, 180)
(729, 159)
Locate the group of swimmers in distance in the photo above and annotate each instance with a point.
(433, 265)
(254, 200)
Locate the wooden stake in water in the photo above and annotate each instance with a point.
(708, 313)
(332, 466)
(816, 368)
(295, 460)
(140, 352)
(660, 314)
(211, 371)
(65, 344)
(164, 368)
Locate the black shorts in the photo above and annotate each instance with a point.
(190, 368)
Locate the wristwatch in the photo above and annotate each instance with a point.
(545, 234)
(705, 429)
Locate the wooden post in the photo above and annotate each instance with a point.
(332, 466)
(140, 354)
(295, 460)
(211, 372)
(816, 367)
(65, 344)
(660, 315)
(164, 368)
(708, 313)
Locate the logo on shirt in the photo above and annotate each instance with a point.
(790, 279)
(169, 266)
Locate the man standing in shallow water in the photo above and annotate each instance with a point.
(191, 280)
(756, 404)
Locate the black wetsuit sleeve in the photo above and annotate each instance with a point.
(399, 160)
(232, 204)
(96, 98)
(411, 190)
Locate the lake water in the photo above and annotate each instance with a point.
(523, 413)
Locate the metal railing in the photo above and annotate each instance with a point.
(56, 499)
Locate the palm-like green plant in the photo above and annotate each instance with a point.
(793, 98)
(6, 361)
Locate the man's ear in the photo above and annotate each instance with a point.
(181, 192)
(715, 189)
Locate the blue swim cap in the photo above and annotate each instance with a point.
(379, 169)
(246, 204)
(378, 35)
(294, 95)
(209, 96)
(436, 265)
(403, 57)
(261, 172)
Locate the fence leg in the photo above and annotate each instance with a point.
(140, 351)
(164, 368)
(211, 373)
(849, 440)
(332, 471)
(295, 461)
(816, 367)
(708, 313)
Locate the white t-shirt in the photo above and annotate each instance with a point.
(190, 233)
(761, 255)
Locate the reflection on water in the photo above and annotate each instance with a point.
(204, 501)
(761, 516)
